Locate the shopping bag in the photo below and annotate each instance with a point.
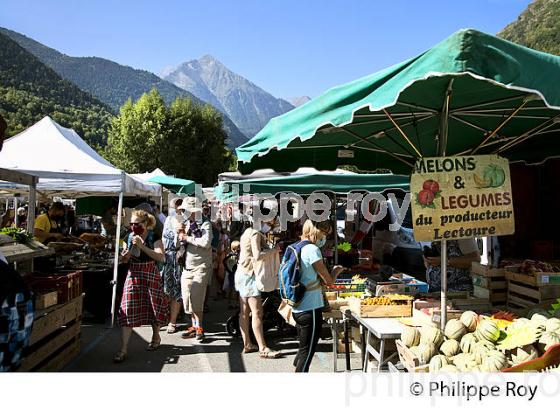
(286, 312)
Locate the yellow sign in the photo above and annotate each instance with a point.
(461, 197)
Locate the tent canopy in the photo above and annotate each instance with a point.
(501, 97)
(305, 184)
(66, 165)
(176, 185)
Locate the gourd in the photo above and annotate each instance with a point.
(488, 330)
(410, 336)
(469, 319)
(431, 334)
(524, 354)
(547, 340)
(426, 351)
(468, 342)
(449, 348)
(494, 361)
(454, 329)
(437, 362)
(553, 325)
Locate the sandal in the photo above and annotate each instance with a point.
(153, 345)
(269, 354)
(190, 333)
(250, 349)
(171, 328)
(119, 357)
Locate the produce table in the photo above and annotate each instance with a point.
(382, 329)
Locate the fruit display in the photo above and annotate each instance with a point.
(391, 299)
(530, 267)
(463, 347)
(19, 235)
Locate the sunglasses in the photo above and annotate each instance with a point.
(136, 223)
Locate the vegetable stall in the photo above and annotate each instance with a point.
(473, 98)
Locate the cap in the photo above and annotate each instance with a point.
(191, 204)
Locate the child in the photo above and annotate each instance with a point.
(230, 266)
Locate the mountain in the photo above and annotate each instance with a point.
(111, 82)
(297, 101)
(249, 106)
(537, 27)
(29, 90)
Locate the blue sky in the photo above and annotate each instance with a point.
(288, 47)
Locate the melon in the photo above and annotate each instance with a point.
(410, 336)
(547, 340)
(468, 343)
(481, 350)
(553, 325)
(437, 362)
(488, 330)
(454, 329)
(464, 361)
(449, 369)
(494, 361)
(538, 313)
(523, 354)
(519, 336)
(431, 334)
(449, 348)
(426, 351)
(539, 319)
(469, 319)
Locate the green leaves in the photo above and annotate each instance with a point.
(185, 140)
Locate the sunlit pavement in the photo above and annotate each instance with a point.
(219, 353)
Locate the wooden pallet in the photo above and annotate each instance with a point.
(55, 337)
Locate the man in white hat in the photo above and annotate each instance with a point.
(198, 264)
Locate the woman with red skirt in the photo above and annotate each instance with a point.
(143, 301)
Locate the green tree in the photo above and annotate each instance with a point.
(186, 140)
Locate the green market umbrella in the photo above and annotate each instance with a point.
(177, 185)
(307, 184)
(471, 94)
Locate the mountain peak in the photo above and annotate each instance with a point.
(249, 106)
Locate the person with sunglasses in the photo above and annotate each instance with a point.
(143, 300)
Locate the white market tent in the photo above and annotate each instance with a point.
(68, 167)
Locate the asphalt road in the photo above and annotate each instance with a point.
(219, 353)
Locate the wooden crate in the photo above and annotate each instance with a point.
(525, 291)
(490, 282)
(55, 337)
(486, 271)
(45, 300)
(494, 296)
(400, 310)
(536, 279)
(409, 360)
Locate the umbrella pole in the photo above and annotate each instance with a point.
(335, 233)
(443, 283)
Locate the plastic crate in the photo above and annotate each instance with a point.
(67, 285)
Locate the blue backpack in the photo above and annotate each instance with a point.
(289, 275)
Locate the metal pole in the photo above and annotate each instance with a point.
(16, 218)
(31, 209)
(335, 233)
(443, 283)
(116, 258)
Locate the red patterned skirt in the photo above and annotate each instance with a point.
(143, 301)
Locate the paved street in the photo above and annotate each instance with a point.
(219, 353)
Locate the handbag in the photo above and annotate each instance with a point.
(286, 311)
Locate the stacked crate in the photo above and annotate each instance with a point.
(527, 290)
(489, 284)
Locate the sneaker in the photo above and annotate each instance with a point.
(199, 334)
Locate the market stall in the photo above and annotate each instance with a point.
(473, 98)
(72, 169)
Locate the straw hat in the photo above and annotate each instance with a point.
(191, 204)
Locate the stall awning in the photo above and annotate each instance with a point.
(307, 184)
(177, 185)
(66, 165)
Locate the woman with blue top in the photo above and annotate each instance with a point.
(308, 314)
